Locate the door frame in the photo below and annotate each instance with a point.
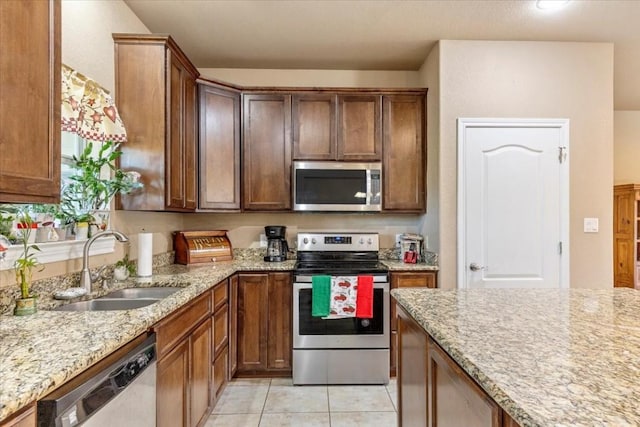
(563, 126)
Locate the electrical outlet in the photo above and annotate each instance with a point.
(263, 240)
(398, 240)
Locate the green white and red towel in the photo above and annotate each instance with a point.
(348, 296)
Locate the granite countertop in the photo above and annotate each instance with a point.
(548, 357)
(396, 265)
(40, 352)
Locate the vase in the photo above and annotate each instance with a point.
(25, 306)
(120, 273)
(82, 230)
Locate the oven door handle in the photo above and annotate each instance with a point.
(304, 285)
(308, 278)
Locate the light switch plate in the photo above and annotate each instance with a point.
(591, 225)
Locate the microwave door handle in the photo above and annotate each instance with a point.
(368, 189)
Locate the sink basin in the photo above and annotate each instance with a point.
(103, 304)
(133, 293)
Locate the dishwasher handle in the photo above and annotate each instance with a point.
(77, 405)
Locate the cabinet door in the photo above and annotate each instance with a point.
(200, 359)
(141, 93)
(404, 159)
(233, 325)
(624, 265)
(454, 398)
(220, 330)
(623, 210)
(314, 127)
(252, 322)
(176, 153)
(190, 143)
(359, 136)
(266, 152)
(30, 101)
(220, 369)
(280, 313)
(219, 149)
(172, 387)
(412, 373)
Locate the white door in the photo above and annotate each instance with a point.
(513, 203)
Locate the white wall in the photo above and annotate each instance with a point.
(536, 79)
(430, 78)
(626, 166)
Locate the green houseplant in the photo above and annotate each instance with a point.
(124, 268)
(24, 266)
(94, 183)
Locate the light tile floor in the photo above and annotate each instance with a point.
(267, 402)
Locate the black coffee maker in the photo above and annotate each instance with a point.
(277, 246)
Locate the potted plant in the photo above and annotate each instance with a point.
(88, 193)
(124, 268)
(24, 266)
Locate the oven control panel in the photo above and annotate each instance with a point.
(338, 242)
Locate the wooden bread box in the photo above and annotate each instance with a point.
(195, 247)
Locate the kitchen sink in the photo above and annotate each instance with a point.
(134, 293)
(103, 304)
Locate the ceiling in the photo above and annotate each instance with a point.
(385, 34)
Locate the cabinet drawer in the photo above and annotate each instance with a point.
(220, 370)
(220, 295)
(176, 326)
(220, 330)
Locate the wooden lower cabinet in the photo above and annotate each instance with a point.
(233, 325)
(220, 344)
(184, 365)
(434, 390)
(412, 373)
(404, 279)
(24, 418)
(264, 324)
(172, 387)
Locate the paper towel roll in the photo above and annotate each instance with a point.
(145, 254)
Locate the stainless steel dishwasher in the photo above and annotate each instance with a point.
(118, 391)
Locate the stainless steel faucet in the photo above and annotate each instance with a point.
(86, 278)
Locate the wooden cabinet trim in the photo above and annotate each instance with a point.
(26, 417)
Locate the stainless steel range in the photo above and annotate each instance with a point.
(347, 350)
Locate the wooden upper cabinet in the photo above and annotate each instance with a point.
(330, 126)
(359, 127)
(219, 148)
(266, 151)
(156, 96)
(314, 127)
(30, 101)
(404, 160)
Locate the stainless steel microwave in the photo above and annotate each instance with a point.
(337, 186)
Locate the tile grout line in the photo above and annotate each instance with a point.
(328, 405)
(265, 402)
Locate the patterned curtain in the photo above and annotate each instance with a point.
(88, 109)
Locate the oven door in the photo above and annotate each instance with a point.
(314, 332)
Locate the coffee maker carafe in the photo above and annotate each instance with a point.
(277, 246)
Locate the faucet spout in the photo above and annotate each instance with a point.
(86, 279)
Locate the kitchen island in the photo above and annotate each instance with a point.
(519, 357)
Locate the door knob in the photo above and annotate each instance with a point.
(475, 267)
